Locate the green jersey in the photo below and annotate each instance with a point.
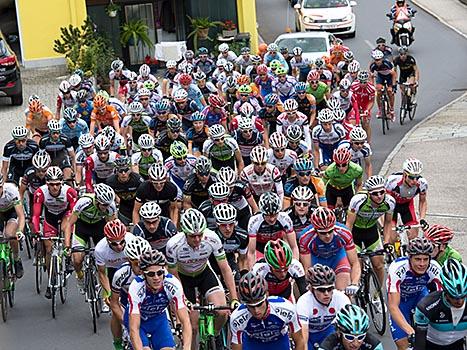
(87, 210)
(366, 211)
(449, 253)
(335, 178)
(145, 162)
(321, 90)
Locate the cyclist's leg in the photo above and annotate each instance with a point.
(409, 217)
(379, 86)
(390, 89)
(189, 284)
(212, 289)
(331, 196)
(49, 229)
(346, 195)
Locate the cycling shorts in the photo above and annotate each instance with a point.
(338, 262)
(7, 216)
(318, 337)
(85, 231)
(283, 343)
(206, 282)
(407, 308)
(457, 345)
(157, 327)
(62, 163)
(367, 238)
(406, 212)
(51, 224)
(13, 176)
(381, 79)
(325, 155)
(332, 193)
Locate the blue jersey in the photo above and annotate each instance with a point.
(121, 282)
(74, 133)
(385, 68)
(85, 111)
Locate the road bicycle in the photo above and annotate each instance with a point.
(385, 109)
(402, 243)
(207, 336)
(408, 108)
(7, 275)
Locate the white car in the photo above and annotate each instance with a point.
(313, 44)
(334, 16)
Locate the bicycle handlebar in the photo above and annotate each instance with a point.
(371, 254)
(402, 228)
(210, 307)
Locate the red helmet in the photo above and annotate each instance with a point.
(114, 230)
(439, 234)
(243, 80)
(342, 155)
(323, 219)
(262, 69)
(313, 76)
(185, 79)
(216, 101)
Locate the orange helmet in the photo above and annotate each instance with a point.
(35, 106)
(243, 80)
(263, 47)
(100, 101)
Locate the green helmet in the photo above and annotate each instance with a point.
(245, 89)
(352, 319)
(278, 254)
(178, 149)
(281, 70)
(275, 64)
(149, 84)
(454, 278)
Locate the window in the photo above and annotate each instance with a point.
(309, 44)
(321, 4)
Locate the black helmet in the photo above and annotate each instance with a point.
(420, 246)
(252, 288)
(151, 258)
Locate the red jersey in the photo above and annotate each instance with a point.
(363, 93)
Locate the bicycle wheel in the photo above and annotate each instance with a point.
(403, 110)
(3, 292)
(53, 283)
(412, 109)
(28, 242)
(91, 298)
(39, 270)
(375, 297)
(63, 279)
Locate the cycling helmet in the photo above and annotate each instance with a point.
(245, 123)
(302, 193)
(144, 92)
(303, 164)
(320, 276)
(341, 155)
(79, 72)
(375, 182)
(325, 116)
(454, 278)
(41, 160)
(198, 116)
(245, 50)
(277, 140)
(420, 246)
(144, 70)
(109, 131)
(243, 80)
(227, 175)
(259, 154)
(189, 54)
(319, 63)
(180, 95)
(70, 115)
(74, 80)
(271, 100)
(269, 203)
(114, 230)
(255, 59)
(116, 65)
(102, 143)
(132, 76)
(157, 172)
(290, 105)
(252, 288)
(334, 103)
(104, 194)
(86, 140)
(152, 257)
(323, 219)
(2, 180)
(64, 87)
(33, 97)
(228, 66)
(218, 191)
(245, 89)
(99, 101)
(353, 66)
(272, 47)
(54, 126)
(262, 69)
(35, 106)
(297, 51)
(278, 254)
(281, 71)
(136, 107)
(351, 319)
(439, 234)
(216, 101)
(224, 47)
(345, 84)
(19, 132)
(150, 210)
(54, 174)
(216, 131)
(171, 64)
(162, 106)
(358, 134)
(185, 79)
(380, 40)
(203, 165)
(275, 64)
(348, 55)
(122, 162)
(300, 87)
(199, 75)
(247, 110)
(178, 150)
(313, 76)
(412, 166)
(377, 54)
(225, 213)
(82, 95)
(203, 51)
(136, 247)
(149, 84)
(339, 115)
(104, 94)
(363, 76)
(174, 124)
(403, 50)
(220, 62)
(338, 41)
(294, 133)
(193, 222)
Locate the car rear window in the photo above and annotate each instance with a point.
(321, 4)
(307, 44)
(3, 49)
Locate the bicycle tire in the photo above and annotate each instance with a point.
(212, 343)
(91, 297)
(52, 284)
(383, 116)
(413, 109)
(63, 282)
(373, 282)
(3, 292)
(39, 269)
(11, 294)
(28, 242)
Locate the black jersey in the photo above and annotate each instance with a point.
(304, 105)
(159, 238)
(236, 243)
(19, 159)
(126, 191)
(406, 67)
(246, 145)
(58, 149)
(169, 194)
(299, 222)
(332, 342)
(198, 192)
(207, 209)
(269, 118)
(197, 138)
(163, 142)
(31, 180)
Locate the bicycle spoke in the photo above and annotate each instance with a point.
(375, 297)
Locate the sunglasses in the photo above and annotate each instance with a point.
(300, 92)
(174, 131)
(342, 165)
(123, 170)
(304, 173)
(279, 149)
(314, 82)
(102, 152)
(244, 95)
(136, 114)
(412, 177)
(72, 122)
(270, 106)
(247, 131)
(181, 158)
(152, 222)
(159, 273)
(324, 289)
(302, 204)
(378, 193)
(358, 143)
(158, 183)
(116, 244)
(146, 149)
(203, 173)
(257, 163)
(352, 337)
(325, 233)
(144, 99)
(218, 140)
(257, 304)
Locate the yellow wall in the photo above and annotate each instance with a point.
(39, 24)
(246, 12)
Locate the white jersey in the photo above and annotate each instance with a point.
(282, 164)
(9, 198)
(56, 205)
(136, 159)
(129, 118)
(180, 172)
(268, 181)
(231, 56)
(283, 123)
(222, 77)
(101, 169)
(359, 155)
(319, 135)
(122, 279)
(192, 261)
(106, 256)
(402, 193)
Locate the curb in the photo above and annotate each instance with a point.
(385, 167)
(439, 18)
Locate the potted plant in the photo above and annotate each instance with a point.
(229, 28)
(135, 32)
(200, 26)
(112, 9)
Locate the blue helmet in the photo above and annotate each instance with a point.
(162, 105)
(271, 100)
(300, 86)
(198, 116)
(303, 164)
(454, 278)
(353, 320)
(203, 51)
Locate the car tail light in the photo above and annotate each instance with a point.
(8, 61)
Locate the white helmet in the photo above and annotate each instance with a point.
(218, 190)
(325, 116)
(180, 95)
(64, 86)
(171, 64)
(150, 210)
(225, 213)
(345, 84)
(41, 160)
(193, 222)
(116, 64)
(144, 70)
(102, 142)
(273, 47)
(74, 80)
(412, 166)
(358, 134)
(86, 140)
(227, 175)
(144, 92)
(54, 125)
(19, 132)
(302, 193)
(375, 182)
(339, 115)
(157, 172)
(259, 154)
(216, 131)
(294, 133)
(135, 107)
(245, 123)
(277, 140)
(353, 66)
(104, 194)
(290, 105)
(247, 110)
(136, 247)
(228, 66)
(334, 103)
(221, 61)
(224, 47)
(377, 54)
(297, 51)
(146, 141)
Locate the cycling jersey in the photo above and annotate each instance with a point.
(163, 142)
(230, 57)
(144, 163)
(384, 69)
(138, 126)
(194, 93)
(207, 89)
(9, 197)
(302, 149)
(57, 149)
(222, 77)
(269, 118)
(206, 65)
(366, 211)
(196, 190)
(319, 93)
(283, 164)
(396, 187)
(306, 105)
(327, 141)
(284, 122)
(197, 138)
(284, 89)
(269, 57)
(180, 173)
(333, 342)
(126, 192)
(38, 121)
(186, 111)
(121, 282)
(189, 261)
(207, 209)
(300, 222)
(263, 232)
(253, 101)
(169, 194)
(406, 67)
(159, 238)
(19, 159)
(109, 117)
(86, 209)
(333, 177)
(265, 85)
(66, 102)
(212, 117)
(268, 181)
(74, 133)
(221, 155)
(319, 317)
(246, 145)
(449, 253)
(109, 258)
(98, 170)
(268, 333)
(358, 155)
(31, 180)
(364, 94)
(303, 65)
(85, 111)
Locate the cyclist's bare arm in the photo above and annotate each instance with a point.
(292, 240)
(115, 306)
(387, 228)
(396, 314)
(368, 167)
(251, 252)
(351, 217)
(21, 217)
(103, 278)
(298, 340)
(305, 259)
(68, 228)
(228, 277)
(355, 268)
(135, 322)
(184, 317)
(422, 205)
(5, 165)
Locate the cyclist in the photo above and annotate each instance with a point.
(320, 91)
(404, 187)
(153, 227)
(385, 49)
(218, 193)
(330, 243)
(301, 66)
(195, 190)
(243, 61)
(280, 156)
(18, 154)
(184, 107)
(172, 133)
(306, 103)
(441, 236)
(163, 113)
(283, 85)
(86, 148)
(181, 164)
(245, 96)
(264, 80)
(247, 138)
(135, 123)
(408, 71)
(347, 102)
(102, 115)
(215, 112)
(291, 116)
(359, 148)
(226, 53)
(193, 92)
(407, 283)
(149, 106)
(169, 76)
(263, 322)
(441, 317)
(37, 117)
(352, 325)
(279, 269)
(150, 294)
(72, 126)
(84, 106)
(197, 134)
(117, 74)
(384, 74)
(188, 259)
(147, 155)
(66, 97)
(269, 114)
(273, 54)
(125, 183)
(364, 92)
(296, 143)
(130, 90)
(317, 308)
(57, 200)
(301, 208)
(160, 189)
(203, 62)
(365, 209)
